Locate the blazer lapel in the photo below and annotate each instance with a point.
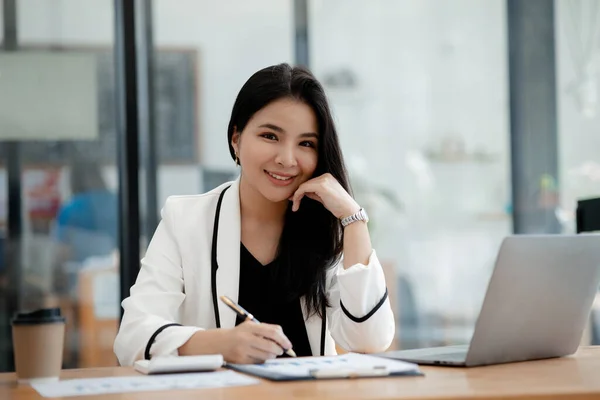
(313, 329)
(228, 253)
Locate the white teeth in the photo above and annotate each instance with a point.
(281, 178)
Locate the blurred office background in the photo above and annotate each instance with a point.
(461, 121)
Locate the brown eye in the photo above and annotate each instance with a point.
(308, 144)
(269, 136)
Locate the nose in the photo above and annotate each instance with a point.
(286, 157)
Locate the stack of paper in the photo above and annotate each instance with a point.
(125, 384)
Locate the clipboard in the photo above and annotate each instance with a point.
(347, 366)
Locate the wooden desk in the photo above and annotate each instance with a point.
(576, 377)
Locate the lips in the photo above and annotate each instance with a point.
(280, 179)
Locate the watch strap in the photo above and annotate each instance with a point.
(360, 215)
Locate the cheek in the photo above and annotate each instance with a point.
(255, 154)
(308, 163)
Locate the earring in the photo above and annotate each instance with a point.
(237, 160)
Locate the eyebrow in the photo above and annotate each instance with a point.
(281, 130)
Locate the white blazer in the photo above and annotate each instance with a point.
(174, 286)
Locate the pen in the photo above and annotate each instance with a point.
(239, 310)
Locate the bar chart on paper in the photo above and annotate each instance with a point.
(305, 367)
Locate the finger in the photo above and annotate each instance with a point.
(252, 356)
(258, 352)
(297, 198)
(315, 197)
(296, 204)
(267, 346)
(304, 189)
(253, 360)
(274, 333)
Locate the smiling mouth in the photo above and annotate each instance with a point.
(279, 177)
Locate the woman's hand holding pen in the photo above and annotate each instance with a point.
(247, 343)
(250, 343)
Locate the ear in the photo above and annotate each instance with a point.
(235, 140)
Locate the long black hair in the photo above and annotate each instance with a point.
(312, 237)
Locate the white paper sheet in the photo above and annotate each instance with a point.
(136, 383)
(302, 366)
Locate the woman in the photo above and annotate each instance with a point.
(272, 241)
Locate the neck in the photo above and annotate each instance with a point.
(255, 206)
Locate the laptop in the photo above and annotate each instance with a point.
(537, 303)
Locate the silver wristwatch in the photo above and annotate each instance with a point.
(360, 215)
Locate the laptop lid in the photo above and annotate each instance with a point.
(538, 299)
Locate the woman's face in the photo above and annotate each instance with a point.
(277, 149)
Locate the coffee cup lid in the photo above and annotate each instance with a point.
(42, 316)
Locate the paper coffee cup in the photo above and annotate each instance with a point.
(38, 340)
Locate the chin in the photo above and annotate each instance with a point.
(277, 196)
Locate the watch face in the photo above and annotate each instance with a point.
(365, 215)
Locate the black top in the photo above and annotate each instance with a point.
(261, 295)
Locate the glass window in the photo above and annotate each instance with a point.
(578, 91)
(419, 89)
(58, 148)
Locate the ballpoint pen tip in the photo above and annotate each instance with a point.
(291, 352)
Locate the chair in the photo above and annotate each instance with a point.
(588, 220)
